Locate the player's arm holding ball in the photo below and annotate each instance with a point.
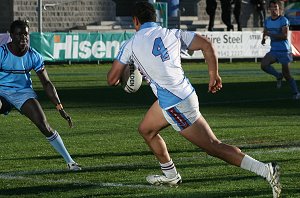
(115, 73)
(125, 74)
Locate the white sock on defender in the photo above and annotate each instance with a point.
(56, 141)
(250, 164)
(169, 169)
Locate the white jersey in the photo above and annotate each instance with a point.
(155, 51)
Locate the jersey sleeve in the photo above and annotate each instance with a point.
(125, 52)
(1, 54)
(38, 61)
(186, 37)
(284, 22)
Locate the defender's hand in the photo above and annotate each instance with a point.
(66, 117)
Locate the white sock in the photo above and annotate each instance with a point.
(169, 169)
(56, 141)
(250, 164)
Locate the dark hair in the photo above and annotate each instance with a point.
(18, 23)
(144, 11)
(278, 2)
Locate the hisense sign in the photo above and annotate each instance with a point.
(73, 48)
(78, 46)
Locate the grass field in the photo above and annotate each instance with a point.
(249, 112)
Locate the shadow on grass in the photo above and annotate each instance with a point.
(233, 94)
(143, 166)
(223, 194)
(146, 153)
(43, 189)
(130, 191)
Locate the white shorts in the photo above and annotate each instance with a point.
(183, 114)
(18, 98)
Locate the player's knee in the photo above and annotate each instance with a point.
(5, 107)
(142, 129)
(1, 109)
(145, 131)
(287, 76)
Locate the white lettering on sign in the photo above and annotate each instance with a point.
(73, 48)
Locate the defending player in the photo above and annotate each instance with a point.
(277, 28)
(17, 59)
(156, 53)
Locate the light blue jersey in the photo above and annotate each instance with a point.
(15, 70)
(274, 26)
(15, 80)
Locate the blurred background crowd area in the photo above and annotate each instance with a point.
(115, 15)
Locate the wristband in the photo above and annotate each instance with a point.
(59, 107)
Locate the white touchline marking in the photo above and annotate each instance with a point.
(245, 101)
(279, 150)
(75, 183)
(24, 175)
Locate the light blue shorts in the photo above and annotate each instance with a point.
(183, 114)
(18, 98)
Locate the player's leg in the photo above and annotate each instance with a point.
(33, 110)
(285, 63)
(5, 107)
(266, 66)
(201, 135)
(246, 12)
(211, 6)
(237, 13)
(149, 128)
(226, 14)
(255, 16)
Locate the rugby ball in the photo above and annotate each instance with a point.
(131, 79)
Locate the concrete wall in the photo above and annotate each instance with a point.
(66, 15)
(74, 14)
(5, 14)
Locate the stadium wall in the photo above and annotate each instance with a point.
(65, 15)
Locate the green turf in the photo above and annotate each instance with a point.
(249, 112)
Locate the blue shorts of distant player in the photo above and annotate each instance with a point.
(282, 57)
(183, 114)
(19, 97)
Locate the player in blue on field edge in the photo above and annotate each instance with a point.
(17, 59)
(276, 27)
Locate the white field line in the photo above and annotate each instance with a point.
(24, 175)
(75, 183)
(245, 101)
(279, 150)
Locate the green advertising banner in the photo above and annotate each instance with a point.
(78, 47)
(161, 13)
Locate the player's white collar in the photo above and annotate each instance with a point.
(148, 24)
